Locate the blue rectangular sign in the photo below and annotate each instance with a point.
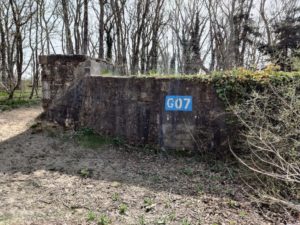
(179, 103)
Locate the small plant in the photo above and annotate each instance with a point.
(91, 216)
(185, 222)
(142, 220)
(187, 171)
(148, 204)
(161, 221)
(118, 142)
(123, 209)
(242, 214)
(103, 220)
(172, 216)
(200, 189)
(148, 201)
(87, 138)
(115, 197)
(232, 204)
(84, 173)
(156, 178)
(35, 125)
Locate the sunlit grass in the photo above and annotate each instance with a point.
(21, 99)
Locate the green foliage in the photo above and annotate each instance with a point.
(103, 220)
(118, 141)
(123, 209)
(270, 141)
(142, 220)
(296, 63)
(89, 139)
(242, 214)
(91, 216)
(21, 99)
(286, 47)
(235, 86)
(105, 72)
(200, 189)
(172, 216)
(85, 173)
(115, 197)
(232, 204)
(185, 222)
(148, 201)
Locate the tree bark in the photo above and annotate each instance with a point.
(101, 30)
(68, 36)
(85, 28)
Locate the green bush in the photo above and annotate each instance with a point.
(270, 140)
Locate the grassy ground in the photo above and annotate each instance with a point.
(52, 176)
(21, 99)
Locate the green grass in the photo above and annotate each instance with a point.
(148, 201)
(103, 220)
(187, 171)
(85, 173)
(115, 197)
(185, 222)
(89, 139)
(123, 209)
(142, 220)
(91, 216)
(21, 99)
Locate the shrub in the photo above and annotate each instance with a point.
(271, 140)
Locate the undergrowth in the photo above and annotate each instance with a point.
(21, 99)
(87, 138)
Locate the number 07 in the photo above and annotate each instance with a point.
(187, 103)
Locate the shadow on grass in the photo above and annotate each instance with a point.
(109, 160)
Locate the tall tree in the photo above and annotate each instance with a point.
(3, 50)
(118, 8)
(85, 27)
(68, 35)
(21, 16)
(101, 28)
(287, 45)
(139, 19)
(156, 26)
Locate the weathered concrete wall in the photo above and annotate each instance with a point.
(133, 108)
(59, 72)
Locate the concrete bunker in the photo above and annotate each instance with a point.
(170, 113)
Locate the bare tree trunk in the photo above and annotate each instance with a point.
(141, 14)
(3, 52)
(109, 43)
(265, 20)
(85, 28)
(69, 42)
(118, 12)
(77, 20)
(19, 47)
(34, 50)
(156, 26)
(101, 29)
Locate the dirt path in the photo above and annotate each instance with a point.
(17, 121)
(47, 178)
